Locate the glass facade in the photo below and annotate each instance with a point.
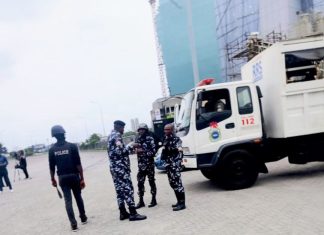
(173, 32)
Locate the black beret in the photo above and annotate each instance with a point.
(119, 123)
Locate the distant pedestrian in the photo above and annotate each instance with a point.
(172, 155)
(22, 163)
(4, 172)
(145, 149)
(120, 172)
(65, 157)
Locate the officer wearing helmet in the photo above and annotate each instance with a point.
(64, 157)
(120, 171)
(145, 149)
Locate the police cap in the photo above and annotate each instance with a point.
(119, 123)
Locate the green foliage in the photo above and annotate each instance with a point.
(129, 133)
(91, 143)
(29, 151)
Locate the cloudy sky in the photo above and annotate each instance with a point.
(61, 62)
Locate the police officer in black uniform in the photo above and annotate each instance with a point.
(65, 157)
(22, 163)
(120, 171)
(172, 155)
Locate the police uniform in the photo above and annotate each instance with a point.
(64, 156)
(120, 171)
(173, 158)
(145, 159)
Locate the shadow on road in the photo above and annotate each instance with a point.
(265, 179)
(203, 186)
(301, 173)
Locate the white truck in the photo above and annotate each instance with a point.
(230, 130)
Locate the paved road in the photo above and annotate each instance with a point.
(289, 200)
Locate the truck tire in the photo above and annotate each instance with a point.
(237, 170)
(209, 173)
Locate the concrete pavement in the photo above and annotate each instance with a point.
(288, 200)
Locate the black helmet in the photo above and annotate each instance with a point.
(142, 126)
(57, 129)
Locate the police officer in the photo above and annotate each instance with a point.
(172, 155)
(65, 157)
(22, 163)
(3, 171)
(145, 148)
(120, 172)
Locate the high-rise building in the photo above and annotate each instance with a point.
(186, 33)
(134, 124)
(204, 37)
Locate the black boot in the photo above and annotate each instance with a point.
(153, 202)
(134, 215)
(140, 203)
(84, 219)
(181, 205)
(123, 213)
(177, 196)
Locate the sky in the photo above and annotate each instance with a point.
(74, 63)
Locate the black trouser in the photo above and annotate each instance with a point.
(70, 183)
(4, 174)
(141, 175)
(24, 168)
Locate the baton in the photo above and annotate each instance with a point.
(58, 192)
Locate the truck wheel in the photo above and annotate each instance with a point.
(237, 170)
(209, 173)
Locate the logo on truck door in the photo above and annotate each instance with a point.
(214, 132)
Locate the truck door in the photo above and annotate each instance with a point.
(215, 122)
(248, 109)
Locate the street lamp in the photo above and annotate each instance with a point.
(101, 117)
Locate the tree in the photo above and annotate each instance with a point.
(91, 143)
(129, 133)
(93, 140)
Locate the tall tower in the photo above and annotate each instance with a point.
(163, 80)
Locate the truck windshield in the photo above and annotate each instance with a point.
(183, 120)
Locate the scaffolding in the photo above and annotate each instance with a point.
(236, 19)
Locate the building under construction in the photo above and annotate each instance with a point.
(214, 38)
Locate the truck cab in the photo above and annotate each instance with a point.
(214, 118)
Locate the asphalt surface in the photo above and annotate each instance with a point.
(288, 200)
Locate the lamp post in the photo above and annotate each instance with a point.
(101, 117)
